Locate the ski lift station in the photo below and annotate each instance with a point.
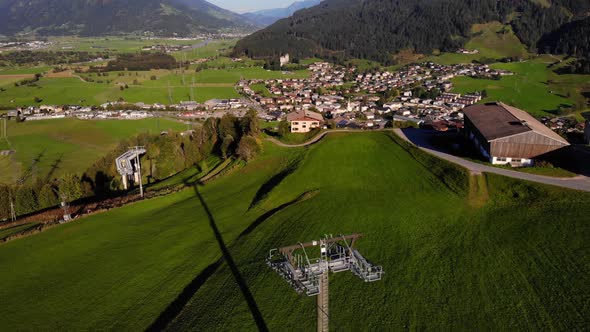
(129, 167)
(310, 275)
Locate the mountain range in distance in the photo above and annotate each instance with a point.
(104, 17)
(267, 17)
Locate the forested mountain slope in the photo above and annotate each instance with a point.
(376, 28)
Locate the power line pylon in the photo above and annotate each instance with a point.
(336, 255)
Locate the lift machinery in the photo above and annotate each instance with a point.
(310, 276)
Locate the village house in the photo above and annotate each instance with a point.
(304, 121)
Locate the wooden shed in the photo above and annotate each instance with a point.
(507, 135)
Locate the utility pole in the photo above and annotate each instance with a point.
(139, 173)
(169, 93)
(12, 212)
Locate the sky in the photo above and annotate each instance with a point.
(244, 6)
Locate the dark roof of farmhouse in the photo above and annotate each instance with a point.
(498, 120)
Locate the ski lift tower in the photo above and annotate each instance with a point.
(129, 166)
(310, 276)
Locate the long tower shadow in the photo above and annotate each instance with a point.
(256, 314)
(174, 309)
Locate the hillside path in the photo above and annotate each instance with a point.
(580, 182)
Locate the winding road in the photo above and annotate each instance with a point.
(581, 183)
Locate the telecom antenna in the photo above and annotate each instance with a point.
(310, 276)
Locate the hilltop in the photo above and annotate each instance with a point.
(93, 18)
(376, 29)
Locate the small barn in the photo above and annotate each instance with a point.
(509, 136)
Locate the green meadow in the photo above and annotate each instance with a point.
(170, 85)
(492, 40)
(112, 44)
(48, 149)
(534, 87)
(458, 253)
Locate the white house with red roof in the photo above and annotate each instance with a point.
(304, 121)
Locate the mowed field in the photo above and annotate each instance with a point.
(510, 255)
(50, 148)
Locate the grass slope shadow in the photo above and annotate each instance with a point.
(175, 307)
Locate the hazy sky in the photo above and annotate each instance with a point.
(243, 6)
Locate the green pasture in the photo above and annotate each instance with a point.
(86, 89)
(260, 87)
(137, 258)
(24, 70)
(485, 254)
(111, 44)
(48, 149)
(213, 49)
(492, 40)
(534, 87)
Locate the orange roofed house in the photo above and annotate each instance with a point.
(304, 121)
(509, 136)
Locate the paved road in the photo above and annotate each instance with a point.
(581, 182)
(315, 139)
(577, 183)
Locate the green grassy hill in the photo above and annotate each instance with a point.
(534, 87)
(510, 256)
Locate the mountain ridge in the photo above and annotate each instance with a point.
(101, 17)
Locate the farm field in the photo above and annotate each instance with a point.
(212, 49)
(453, 259)
(64, 146)
(88, 89)
(534, 87)
(112, 44)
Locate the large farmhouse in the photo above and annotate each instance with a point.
(507, 135)
(304, 121)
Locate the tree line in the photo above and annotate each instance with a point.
(167, 154)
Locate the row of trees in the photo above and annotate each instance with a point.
(169, 154)
(41, 195)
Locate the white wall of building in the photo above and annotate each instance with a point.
(303, 126)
